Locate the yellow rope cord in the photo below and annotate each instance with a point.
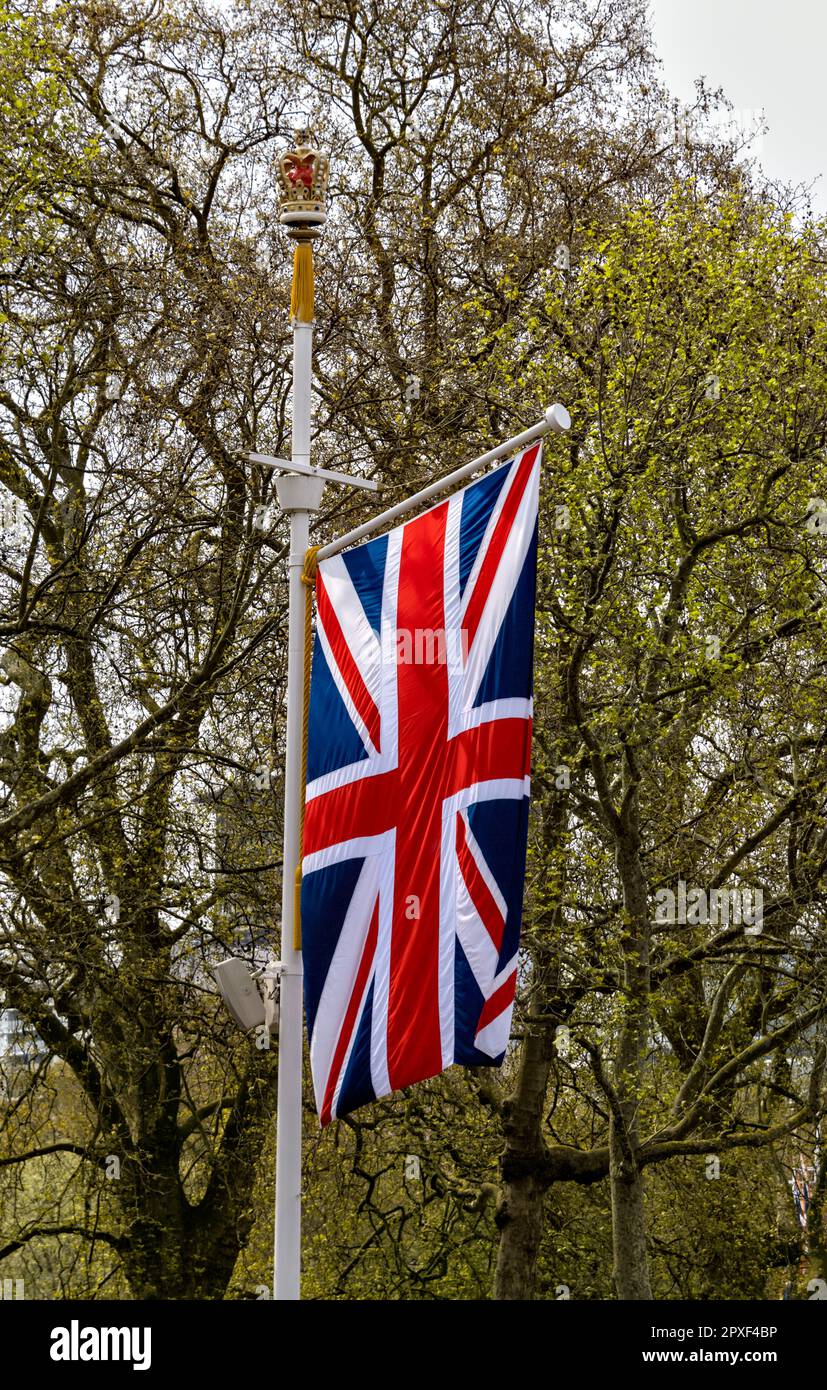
(309, 581)
(301, 294)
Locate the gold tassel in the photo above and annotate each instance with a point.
(301, 297)
(297, 909)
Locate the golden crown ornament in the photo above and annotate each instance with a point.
(303, 174)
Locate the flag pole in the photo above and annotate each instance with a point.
(303, 178)
(303, 174)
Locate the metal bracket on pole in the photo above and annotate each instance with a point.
(270, 979)
(309, 471)
(273, 971)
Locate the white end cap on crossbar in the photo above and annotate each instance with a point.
(559, 420)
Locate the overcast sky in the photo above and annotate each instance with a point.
(765, 56)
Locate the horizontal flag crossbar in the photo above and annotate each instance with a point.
(556, 420)
(308, 470)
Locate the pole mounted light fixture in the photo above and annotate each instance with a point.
(251, 999)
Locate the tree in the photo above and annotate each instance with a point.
(681, 668)
(145, 344)
(137, 609)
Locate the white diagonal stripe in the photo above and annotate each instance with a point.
(505, 581)
(340, 980)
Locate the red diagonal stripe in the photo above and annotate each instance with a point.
(351, 675)
(481, 895)
(499, 1001)
(488, 570)
(350, 1017)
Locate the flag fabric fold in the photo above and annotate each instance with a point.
(416, 806)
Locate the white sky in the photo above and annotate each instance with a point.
(767, 57)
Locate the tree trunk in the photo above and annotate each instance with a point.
(520, 1213)
(154, 1261)
(630, 1270)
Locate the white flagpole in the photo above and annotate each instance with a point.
(299, 494)
(303, 176)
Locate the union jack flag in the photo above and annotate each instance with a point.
(416, 805)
